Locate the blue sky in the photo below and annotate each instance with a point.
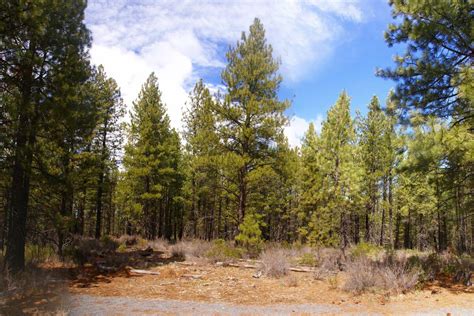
(325, 46)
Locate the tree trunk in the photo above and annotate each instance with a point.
(407, 233)
(25, 140)
(219, 219)
(397, 231)
(100, 184)
(356, 229)
(242, 194)
(98, 220)
(390, 208)
(382, 225)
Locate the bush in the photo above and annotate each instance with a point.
(275, 263)
(108, 244)
(361, 276)
(250, 235)
(35, 254)
(128, 240)
(122, 248)
(160, 244)
(330, 259)
(333, 282)
(365, 250)
(308, 259)
(82, 249)
(391, 274)
(178, 250)
(222, 251)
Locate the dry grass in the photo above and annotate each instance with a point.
(190, 249)
(291, 281)
(275, 262)
(159, 244)
(391, 274)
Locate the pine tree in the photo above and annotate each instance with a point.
(107, 135)
(151, 161)
(337, 178)
(438, 58)
(311, 180)
(372, 133)
(251, 118)
(38, 37)
(202, 145)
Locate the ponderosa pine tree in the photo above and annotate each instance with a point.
(372, 130)
(203, 148)
(392, 149)
(311, 180)
(107, 140)
(65, 134)
(35, 40)
(437, 65)
(151, 160)
(338, 177)
(251, 117)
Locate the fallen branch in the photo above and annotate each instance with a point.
(248, 266)
(302, 270)
(136, 271)
(192, 276)
(251, 266)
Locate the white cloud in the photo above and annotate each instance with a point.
(178, 39)
(298, 126)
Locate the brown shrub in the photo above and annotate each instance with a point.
(128, 240)
(159, 244)
(392, 274)
(178, 250)
(275, 262)
(82, 248)
(190, 248)
(361, 276)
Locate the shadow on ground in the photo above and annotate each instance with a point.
(44, 290)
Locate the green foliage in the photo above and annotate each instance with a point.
(331, 179)
(235, 177)
(151, 161)
(35, 254)
(250, 116)
(250, 235)
(223, 251)
(308, 259)
(364, 249)
(438, 37)
(122, 248)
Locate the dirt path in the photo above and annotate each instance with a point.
(95, 305)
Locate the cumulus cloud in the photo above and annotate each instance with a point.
(179, 39)
(298, 126)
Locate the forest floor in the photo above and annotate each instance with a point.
(199, 287)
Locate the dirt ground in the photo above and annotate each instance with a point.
(200, 281)
(198, 287)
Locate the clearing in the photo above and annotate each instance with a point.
(161, 283)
